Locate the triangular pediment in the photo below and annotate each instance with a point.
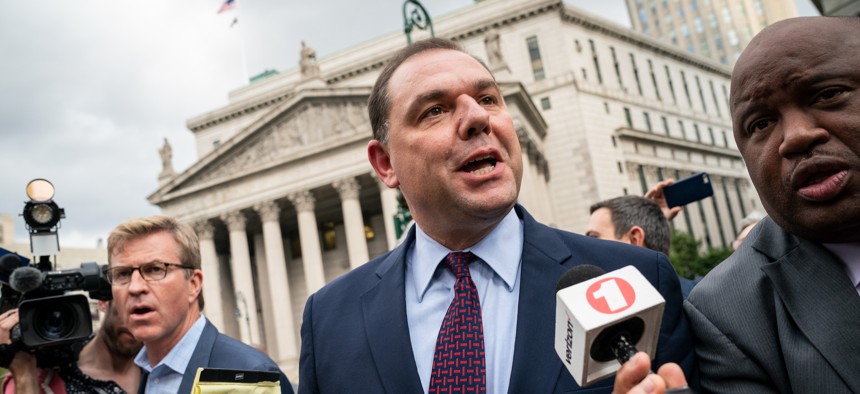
(309, 122)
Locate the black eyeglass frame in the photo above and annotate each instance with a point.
(109, 271)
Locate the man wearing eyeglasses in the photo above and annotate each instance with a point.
(156, 279)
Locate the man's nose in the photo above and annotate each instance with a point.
(801, 132)
(474, 118)
(136, 284)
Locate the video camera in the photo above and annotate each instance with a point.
(52, 324)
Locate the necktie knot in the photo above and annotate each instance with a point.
(458, 263)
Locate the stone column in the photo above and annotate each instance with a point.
(279, 285)
(264, 296)
(353, 221)
(389, 208)
(309, 239)
(214, 309)
(243, 283)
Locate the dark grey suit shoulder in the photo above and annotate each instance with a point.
(779, 315)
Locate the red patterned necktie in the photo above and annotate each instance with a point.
(459, 365)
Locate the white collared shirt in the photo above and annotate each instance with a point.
(430, 289)
(166, 377)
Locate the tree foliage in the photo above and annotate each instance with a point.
(687, 259)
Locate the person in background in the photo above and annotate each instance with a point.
(635, 220)
(746, 226)
(105, 364)
(156, 282)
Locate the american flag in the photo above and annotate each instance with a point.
(228, 5)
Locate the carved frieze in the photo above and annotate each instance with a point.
(307, 125)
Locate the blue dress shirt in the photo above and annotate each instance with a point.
(167, 375)
(430, 289)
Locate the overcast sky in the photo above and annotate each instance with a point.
(89, 89)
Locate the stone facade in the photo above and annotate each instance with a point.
(719, 29)
(284, 199)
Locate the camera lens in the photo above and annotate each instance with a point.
(55, 322)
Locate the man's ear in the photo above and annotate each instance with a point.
(196, 288)
(636, 235)
(379, 158)
(103, 306)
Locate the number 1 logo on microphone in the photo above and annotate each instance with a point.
(610, 295)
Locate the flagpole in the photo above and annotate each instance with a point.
(247, 78)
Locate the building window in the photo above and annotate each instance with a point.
(727, 15)
(701, 95)
(759, 10)
(685, 31)
(712, 20)
(606, 107)
(686, 214)
(216, 143)
(683, 131)
(596, 62)
(642, 181)
(620, 167)
(636, 73)
(725, 139)
(671, 84)
(654, 80)
(733, 38)
(728, 203)
(329, 236)
(584, 74)
(714, 97)
(665, 125)
(697, 23)
(647, 121)
(617, 68)
(534, 54)
(719, 222)
(705, 48)
(628, 118)
(698, 134)
(544, 103)
(740, 197)
(704, 220)
(614, 143)
(711, 135)
(686, 89)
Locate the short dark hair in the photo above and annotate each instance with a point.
(629, 211)
(379, 103)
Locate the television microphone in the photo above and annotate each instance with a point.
(603, 317)
(26, 279)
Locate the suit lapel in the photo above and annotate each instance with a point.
(821, 299)
(200, 357)
(536, 370)
(384, 308)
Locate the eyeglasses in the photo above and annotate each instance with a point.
(150, 272)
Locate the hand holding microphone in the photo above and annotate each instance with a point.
(601, 319)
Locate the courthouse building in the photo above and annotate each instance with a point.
(284, 199)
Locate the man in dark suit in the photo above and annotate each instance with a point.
(156, 280)
(782, 314)
(443, 135)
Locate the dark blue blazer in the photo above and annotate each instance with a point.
(216, 350)
(355, 337)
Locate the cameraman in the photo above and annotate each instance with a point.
(105, 364)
